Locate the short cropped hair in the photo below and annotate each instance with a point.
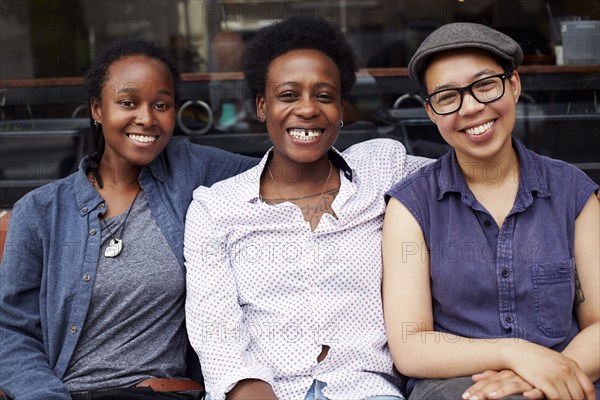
(295, 33)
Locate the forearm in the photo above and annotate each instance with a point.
(428, 354)
(24, 370)
(38, 391)
(585, 350)
(251, 389)
(214, 318)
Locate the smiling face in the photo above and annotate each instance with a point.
(477, 132)
(302, 104)
(136, 111)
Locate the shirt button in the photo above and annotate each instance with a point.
(487, 224)
(84, 210)
(73, 329)
(92, 232)
(505, 273)
(87, 277)
(102, 206)
(508, 319)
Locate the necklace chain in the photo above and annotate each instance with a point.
(126, 216)
(320, 197)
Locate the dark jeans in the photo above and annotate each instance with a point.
(446, 389)
(136, 393)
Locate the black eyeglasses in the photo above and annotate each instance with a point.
(484, 90)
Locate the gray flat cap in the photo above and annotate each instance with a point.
(461, 35)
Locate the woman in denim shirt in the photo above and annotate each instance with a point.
(491, 259)
(92, 276)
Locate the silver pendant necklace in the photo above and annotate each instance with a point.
(115, 246)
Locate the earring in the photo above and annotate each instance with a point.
(95, 123)
(261, 117)
(341, 123)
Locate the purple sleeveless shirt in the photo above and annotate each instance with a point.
(496, 282)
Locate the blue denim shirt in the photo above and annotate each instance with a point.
(51, 253)
(511, 281)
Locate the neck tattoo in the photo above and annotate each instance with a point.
(115, 246)
(320, 197)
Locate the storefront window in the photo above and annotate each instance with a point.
(49, 38)
(46, 46)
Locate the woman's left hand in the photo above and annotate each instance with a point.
(499, 384)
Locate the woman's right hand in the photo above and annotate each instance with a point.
(556, 375)
(499, 384)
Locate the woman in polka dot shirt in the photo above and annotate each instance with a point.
(283, 261)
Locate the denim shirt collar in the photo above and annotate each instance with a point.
(251, 192)
(88, 198)
(530, 178)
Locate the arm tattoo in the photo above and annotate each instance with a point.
(579, 296)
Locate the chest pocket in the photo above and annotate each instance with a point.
(554, 289)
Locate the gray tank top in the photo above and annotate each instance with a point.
(134, 327)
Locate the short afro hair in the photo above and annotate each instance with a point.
(295, 33)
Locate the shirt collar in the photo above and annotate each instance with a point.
(452, 179)
(250, 179)
(531, 178)
(156, 168)
(88, 197)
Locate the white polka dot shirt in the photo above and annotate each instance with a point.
(265, 293)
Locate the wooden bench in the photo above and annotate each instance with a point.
(4, 217)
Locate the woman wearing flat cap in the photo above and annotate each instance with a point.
(491, 257)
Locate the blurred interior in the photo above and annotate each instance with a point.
(46, 46)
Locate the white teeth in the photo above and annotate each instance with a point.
(305, 134)
(142, 138)
(478, 130)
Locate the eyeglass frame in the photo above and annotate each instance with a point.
(462, 90)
